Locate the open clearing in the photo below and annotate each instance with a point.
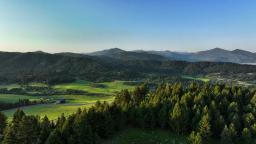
(96, 92)
(196, 78)
(12, 98)
(106, 88)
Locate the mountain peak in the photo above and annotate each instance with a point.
(244, 52)
(40, 52)
(217, 49)
(110, 51)
(239, 50)
(213, 51)
(115, 49)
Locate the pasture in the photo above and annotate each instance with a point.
(95, 92)
(12, 98)
(204, 79)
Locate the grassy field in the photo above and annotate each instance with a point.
(96, 92)
(106, 88)
(12, 98)
(196, 78)
(139, 136)
(51, 110)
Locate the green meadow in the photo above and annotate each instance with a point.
(95, 92)
(204, 79)
(106, 88)
(12, 98)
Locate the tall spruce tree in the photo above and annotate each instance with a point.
(3, 122)
(194, 138)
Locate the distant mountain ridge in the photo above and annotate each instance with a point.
(113, 64)
(117, 53)
(212, 55)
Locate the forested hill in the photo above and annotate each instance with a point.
(120, 54)
(212, 55)
(61, 67)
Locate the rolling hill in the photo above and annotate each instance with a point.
(212, 55)
(113, 64)
(117, 53)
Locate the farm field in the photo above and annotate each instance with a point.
(95, 92)
(204, 79)
(106, 88)
(54, 110)
(12, 98)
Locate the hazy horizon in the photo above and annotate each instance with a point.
(85, 26)
(124, 50)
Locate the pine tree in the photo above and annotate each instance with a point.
(253, 100)
(83, 131)
(253, 130)
(11, 135)
(60, 121)
(29, 130)
(219, 123)
(17, 116)
(140, 93)
(204, 127)
(3, 122)
(249, 119)
(194, 138)
(163, 117)
(45, 130)
(246, 136)
(228, 134)
(54, 138)
(178, 118)
(67, 129)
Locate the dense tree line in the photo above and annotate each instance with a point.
(40, 91)
(20, 103)
(200, 111)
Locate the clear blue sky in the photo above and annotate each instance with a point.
(90, 25)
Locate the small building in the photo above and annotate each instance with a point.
(60, 101)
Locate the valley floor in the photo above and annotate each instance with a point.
(95, 92)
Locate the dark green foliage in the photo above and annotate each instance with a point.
(3, 122)
(20, 103)
(177, 118)
(204, 127)
(205, 111)
(45, 130)
(28, 130)
(54, 138)
(82, 130)
(194, 138)
(246, 136)
(228, 134)
(10, 136)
